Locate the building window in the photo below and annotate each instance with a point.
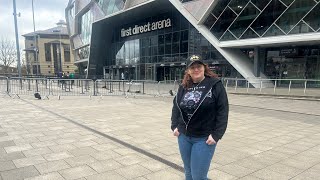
(47, 48)
(49, 72)
(110, 6)
(235, 19)
(67, 66)
(36, 69)
(83, 53)
(85, 27)
(66, 53)
(48, 66)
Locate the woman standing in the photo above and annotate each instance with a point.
(199, 117)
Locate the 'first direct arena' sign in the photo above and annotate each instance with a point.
(146, 28)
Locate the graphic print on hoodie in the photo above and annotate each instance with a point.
(191, 99)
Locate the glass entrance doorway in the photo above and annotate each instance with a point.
(170, 73)
(149, 72)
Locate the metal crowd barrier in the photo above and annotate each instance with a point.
(110, 87)
(27, 86)
(4, 85)
(71, 87)
(167, 88)
(293, 87)
(102, 87)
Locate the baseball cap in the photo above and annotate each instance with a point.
(195, 59)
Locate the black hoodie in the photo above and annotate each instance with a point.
(211, 117)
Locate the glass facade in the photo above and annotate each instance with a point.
(83, 53)
(110, 6)
(243, 19)
(85, 27)
(71, 15)
(156, 48)
(301, 62)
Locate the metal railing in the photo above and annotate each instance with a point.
(84, 87)
(4, 85)
(292, 87)
(102, 87)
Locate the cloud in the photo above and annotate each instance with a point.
(47, 14)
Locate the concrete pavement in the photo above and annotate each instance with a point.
(130, 138)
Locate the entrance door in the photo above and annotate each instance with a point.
(106, 73)
(149, 72)
(176, 73)
(160, 73)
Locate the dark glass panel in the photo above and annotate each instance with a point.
(223, 23)
(131, 49)
(268, 16)
(161, 49)
(184, 23)
(294, 14)
(146, 42)
(184, 47)
(313, 18)
(176, 21)
(143, 51)
(176, 37)
(154, 40)
(210, 21)
(227, 36)
(161, 39)
(260, 4)
(168, 38)
(148, 51)
(168, 29)
(154, 59)
(175, 48)
(249, 34)
(147, 59)
(273, 31)
(220, 7)
(168, 49)
(184, 35)
(154, 50)
(244, 20)
(301, 28)
(287, 2)
(160, 58)
(136, 48)
(238, 5)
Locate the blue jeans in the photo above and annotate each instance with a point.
(196, 156)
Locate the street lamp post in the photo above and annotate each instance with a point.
(35, 42)
(17, 38)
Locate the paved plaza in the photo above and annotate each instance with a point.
(118, 138)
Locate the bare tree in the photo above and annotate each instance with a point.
(8, 53)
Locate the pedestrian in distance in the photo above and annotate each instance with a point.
(122, 76)
(199, 117)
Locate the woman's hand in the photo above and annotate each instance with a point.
(176, 132)
(210, 140)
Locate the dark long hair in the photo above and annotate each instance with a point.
(187, 80)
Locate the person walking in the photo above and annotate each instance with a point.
(199, 117)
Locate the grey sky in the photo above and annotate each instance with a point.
(47, 14)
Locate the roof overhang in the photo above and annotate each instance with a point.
(81, 61)
(289, 40)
